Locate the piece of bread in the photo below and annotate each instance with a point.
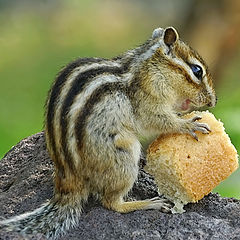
(186, 170)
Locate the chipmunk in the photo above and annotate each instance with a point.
(95, 112)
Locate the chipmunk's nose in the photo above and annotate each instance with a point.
(213, 102)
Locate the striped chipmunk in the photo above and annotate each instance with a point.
(96, 111)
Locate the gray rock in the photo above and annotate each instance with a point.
(26, 183)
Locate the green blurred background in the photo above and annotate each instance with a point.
(38, 37)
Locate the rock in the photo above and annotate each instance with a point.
(26, 183)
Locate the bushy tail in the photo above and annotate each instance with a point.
(52, 220)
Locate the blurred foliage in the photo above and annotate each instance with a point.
(37, 38)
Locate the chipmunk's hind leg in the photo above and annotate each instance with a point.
(123, 178)
(118, 180)
(119, 205)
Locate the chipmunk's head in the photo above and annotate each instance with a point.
(181, 68)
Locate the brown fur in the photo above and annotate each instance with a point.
(95, 113)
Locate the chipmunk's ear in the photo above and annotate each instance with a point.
(170, 36)
(157, 33)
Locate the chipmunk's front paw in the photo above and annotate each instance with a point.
(192, 126)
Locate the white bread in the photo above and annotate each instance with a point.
(186, 170)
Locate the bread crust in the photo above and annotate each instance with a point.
(193, 168)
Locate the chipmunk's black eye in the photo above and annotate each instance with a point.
(197, 71)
